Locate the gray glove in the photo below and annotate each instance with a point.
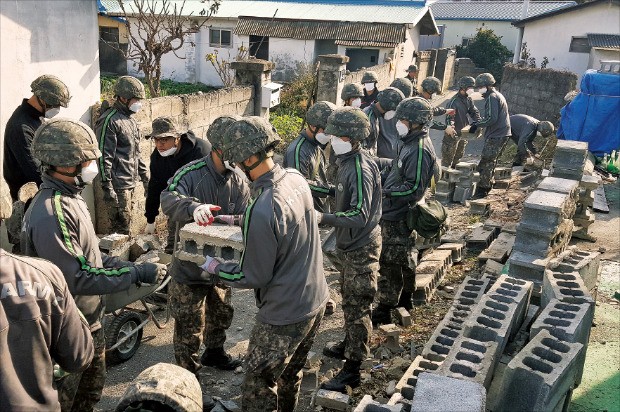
(109, 195)
(150, 272)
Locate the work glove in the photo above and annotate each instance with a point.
(152, 273)
(150, 228)
(203, 215)
(319, 216)
(450, 131)
(450, 112)
(228, 219)
(109, 195)
(208, 274)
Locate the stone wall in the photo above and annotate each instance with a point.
(463, 66)
(444, 67)
(537, 92)
(385, 72)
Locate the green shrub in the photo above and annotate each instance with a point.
(168, 88)
(487, 51)
(295, 95)
(288, 127)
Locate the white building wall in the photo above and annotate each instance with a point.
(456, 30)
(552, 36)
(405, 51)
(291, 57)
(596, 55)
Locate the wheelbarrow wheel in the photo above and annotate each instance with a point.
(120, 327)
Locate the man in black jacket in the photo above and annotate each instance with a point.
(173, 149)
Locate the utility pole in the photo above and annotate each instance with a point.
(517, 55)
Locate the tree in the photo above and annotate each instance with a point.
(486, 50)
(158, 27)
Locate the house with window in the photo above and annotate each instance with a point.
(293, 33)
(458, 21)
(575, 38)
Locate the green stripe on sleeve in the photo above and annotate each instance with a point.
(183, 172)
(102, 143)
(297, 150)
(358, 206)
(418, 173)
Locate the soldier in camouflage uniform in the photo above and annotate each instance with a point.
(496, 122)
(203, 312)
(58, 227)
(404, 85)
(404, 184)
(282, 262)
(523, 129)
(369, 81)
(120, 165)
(412, 76)
(352, 94)
(453, 145)
(383, 139)
(430, 87)
(358, 239)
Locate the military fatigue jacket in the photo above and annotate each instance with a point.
(39, 325)
(464, 107)
(282, 260)
(495, 118)
(383, 140)
(358, 201)
(58, 227)
(409, 176)
(198, 183)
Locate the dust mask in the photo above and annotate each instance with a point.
(402, 129)
(470, 92)
(168, 152)
(369, 87)
(340, 146)
(49, 113)
(135, 107)
(322, 138)
(389, 115)
(88, 174)
(482, 90)
(357, 103)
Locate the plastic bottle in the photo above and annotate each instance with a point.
(604, 162)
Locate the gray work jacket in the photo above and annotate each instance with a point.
(495, 118)
(383, 137)
(465, 109)
(523, 130)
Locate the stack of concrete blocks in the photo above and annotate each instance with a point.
(501, 177)
(216, 240)
(465, 188)
(429, 273)
(444, 190)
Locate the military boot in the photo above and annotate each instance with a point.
(349, 375)
(381, 315)
(335, 351)
(405, 301)
(218, 358)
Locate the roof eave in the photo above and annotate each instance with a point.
(561, 10)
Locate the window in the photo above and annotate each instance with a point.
(220, 38)
(465, 41)
(109, 34)
(579, 45)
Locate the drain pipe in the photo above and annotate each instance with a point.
(517, 55)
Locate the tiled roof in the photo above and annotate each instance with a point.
(493, 10)
(604, 41)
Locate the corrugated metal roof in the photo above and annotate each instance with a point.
(604, 41)
(356, 43)
(322, 30)
(493, 10)
(370, 11)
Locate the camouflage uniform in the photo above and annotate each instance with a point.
(404, 85)
(413, 80)
(398, 262)
(453, 146)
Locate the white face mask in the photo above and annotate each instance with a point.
(470, 92)
(340, 146)
(228, 166)
(402, 129)
(356, 102)
(322, 138)
(88, 173)
(168, 152)
(369, 87)
(482, 90)
(136, 107)
(389, 115)
(49, 113)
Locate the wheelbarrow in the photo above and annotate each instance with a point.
(124, 329)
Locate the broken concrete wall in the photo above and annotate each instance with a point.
(385, 72)
(444, 67)
(464, 66)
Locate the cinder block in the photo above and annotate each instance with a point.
(428, 276)
(462, 194)
(543, 241)
(480, 207)
(330, 399)
(214, 240)
(501, 173)
(492, 268)
(565, 287)
(586, 263)
(540, 376)
(559, 185)
(441, 393)
(546, 209)
(499, 250)
(404, 317)
(113, 241)
(453, 236)
(470, 360)
(471, 290)
(481, 238)
(440, 342)
(528, 267)
(455, 248)
(406, 384)
(570, 153)
(440, 255)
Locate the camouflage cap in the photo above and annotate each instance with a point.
(6, 203)
(416, 110)
(431, 85)
(348, 122)
(64, 142)
(485, 79)
(404, 85)
(350, 91)
(370, 77)
(170, 386)
(163, 126)
(389, 98)
(217, 130)
(247, 137)
(545, 128)
(129, 87)
(51, 90)
(466, 82)
(412, 68)
(317, 115)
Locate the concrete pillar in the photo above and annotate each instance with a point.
(257, 73)
(424, 58)
(331, 77)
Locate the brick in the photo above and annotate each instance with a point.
(404, 317)
(215, 240)
(440, 393)
(455, 248)
(330, 399)
(470, 360)
(499, 250)
(540, 376)
(481, 238)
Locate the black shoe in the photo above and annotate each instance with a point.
(207, 403)
(349, 375)
(219, 359)
(335, 351)
(381, 315)
(405, 301)
(480, 194)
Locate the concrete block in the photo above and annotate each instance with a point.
(540, 376)
(392, 334)
(570, 152)
(310, 379)
(404, 317)
(471, 290)
(112, 241)
(492, 267)
(501, 184)
(453, 236)
(528, 267)
(422, 243)
(215, 240)
(470, 360)
(569, 322)
(428, 276)
(406, 384)
(364, 402)
(440, 342)
(543, 241)
(442, 393)
(507, 288)
(480, 207)
(589, 183)
(440, 255)
(481, 238)
(455, 248)
(546, 209)
(526, 179)
(466, 167)
(586, 263)
(565, 287)
(501, 173)
(462, 194)
(559, 185)
(499, 250)
(332, 400)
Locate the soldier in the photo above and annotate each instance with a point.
(202, 313)
(383, 139)
(173, 149)
(404, 85)
(306, 154)
(496, 133)
(369, 80)
(358, 240)
(119, 140)
(57, 227)
(404, 185)
(40, 325)
(412, 76)
(523, 130)
(430, 87)
(352, 94)
(453, 146)
(282, 262)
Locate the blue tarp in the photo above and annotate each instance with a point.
(594, 115)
